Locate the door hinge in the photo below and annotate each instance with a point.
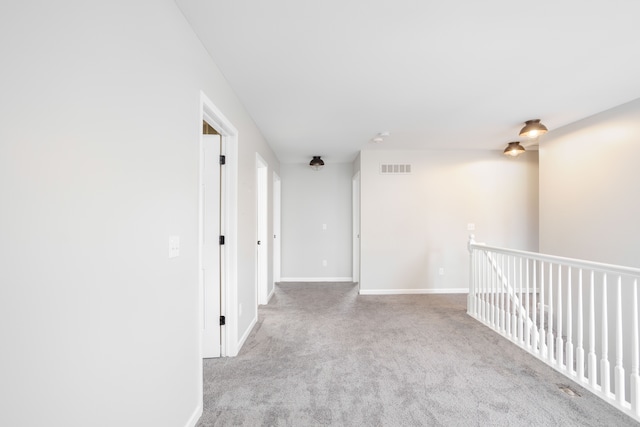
(223, 160)
(222, 320)
(221, 240)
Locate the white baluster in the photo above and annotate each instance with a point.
(502, 302)
(486, 268)
(478, 291)
(485, 265)
(604, 362)
(619, 369)
(542, 337)
(487, 278)
(534, 310)
(635, 374)
(514, 319)
(496, 299)
(520, 314)
(592, 362)
(473, 287)
(507, 308)
(569, 345)
(559, 342)
(476, 303)
(470, 294)
(550, 343)
(527, 327)
(580, 348)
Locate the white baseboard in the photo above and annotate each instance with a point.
(273, 290)
(413, 291)
(195, 417)
(246, 334)
(316, 279)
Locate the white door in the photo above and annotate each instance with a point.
(261, 230)
(210, 235)
(276, 227)
(356, 228)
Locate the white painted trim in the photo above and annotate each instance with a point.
(229, 225)
(195, 417)
(273, 291)
(247, 332)
(413, 291)
(316, 279)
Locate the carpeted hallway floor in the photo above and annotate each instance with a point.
(323, 355)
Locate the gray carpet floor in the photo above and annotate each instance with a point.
(321, 354)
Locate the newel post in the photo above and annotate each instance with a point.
(471, 303)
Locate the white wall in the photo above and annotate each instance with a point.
(589, 187)
(98, 167)
(309, 200)
(413, 225)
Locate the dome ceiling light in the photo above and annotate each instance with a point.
(316, 163)
(533, 129)
(514, 149)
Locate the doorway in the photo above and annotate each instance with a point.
(261, 230)
(277, 249)
(228, 228)
(356, 228)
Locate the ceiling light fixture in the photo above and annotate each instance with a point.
(533, 129)
(514, 149)
(316, 163)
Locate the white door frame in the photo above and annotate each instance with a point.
(355, 228)
(277, 229)
(262, 230)
(228, 227)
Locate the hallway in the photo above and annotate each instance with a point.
(323, 355)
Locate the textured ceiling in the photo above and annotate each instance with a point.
(326, 77)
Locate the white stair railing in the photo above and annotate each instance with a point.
(540, 303)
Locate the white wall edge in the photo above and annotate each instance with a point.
(195, 417)
(273, 291)
(413, 291)
(316, 279)
(246, 335)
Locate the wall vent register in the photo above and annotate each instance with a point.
(395, 169)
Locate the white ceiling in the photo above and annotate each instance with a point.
(324, 77)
